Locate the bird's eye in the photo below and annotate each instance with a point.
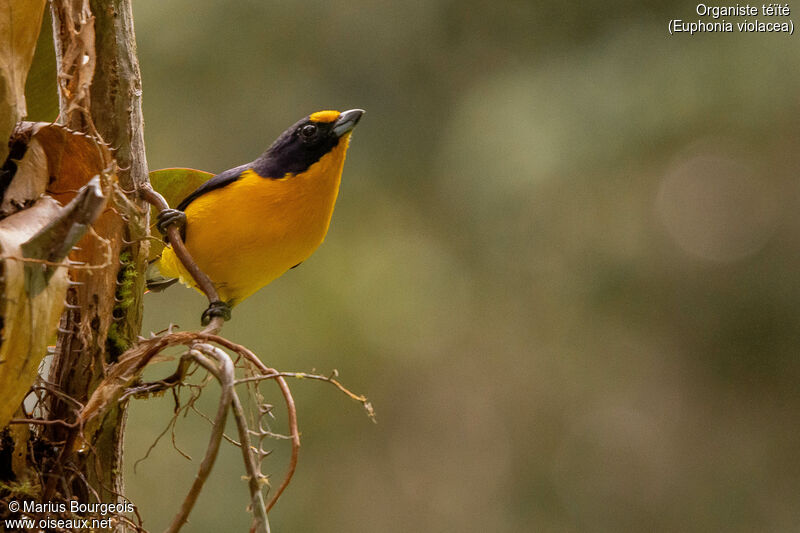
(308, 131)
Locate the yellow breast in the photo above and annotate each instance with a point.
(249, 232)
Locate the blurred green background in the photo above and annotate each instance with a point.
(563, 265)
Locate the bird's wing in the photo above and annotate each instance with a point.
(220, 180)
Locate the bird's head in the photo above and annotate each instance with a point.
(307, 141)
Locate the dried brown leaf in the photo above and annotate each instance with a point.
(29, 182)
(58, 163)
(28, 322)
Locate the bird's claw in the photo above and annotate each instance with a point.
(216, 309)
(168, 217)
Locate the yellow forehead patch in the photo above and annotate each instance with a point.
(324, 116)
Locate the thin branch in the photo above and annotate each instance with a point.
(294, 431)
(42, 422)
(207, 418)
(173, 380)
(52, 388)
(127, 369)
(154, 443)
(360, 398)
(131, 364)
(170, 426)
(225, 376)
(260, 521)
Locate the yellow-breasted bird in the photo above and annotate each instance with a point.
(250, 224)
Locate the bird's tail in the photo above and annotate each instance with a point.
(155, 281)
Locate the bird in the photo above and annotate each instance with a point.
(248, 225)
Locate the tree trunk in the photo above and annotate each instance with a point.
(105, 307)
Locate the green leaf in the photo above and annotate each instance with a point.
(174, 184)
(41, 92)
(20, 22)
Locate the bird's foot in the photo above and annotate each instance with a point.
(216, 309)
(168, 217)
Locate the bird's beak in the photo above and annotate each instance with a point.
(347, 121)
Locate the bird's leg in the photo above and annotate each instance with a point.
(168, 217)
(217, 308)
